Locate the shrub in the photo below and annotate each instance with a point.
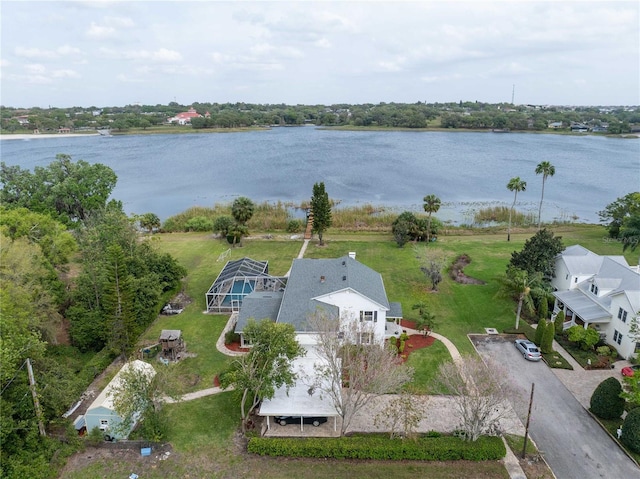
(559, 321)
(199, 223)
(231, 337)
(295, 226)
(606, 402)
(543, 308)
(631, 430)
(542, 326)
(546, 346)
(603, 351)
(377, 447)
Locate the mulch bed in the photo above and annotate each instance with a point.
(457, 274)
(236, 347)
(415, 342)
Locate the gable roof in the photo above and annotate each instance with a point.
(611, 274)
(105, 398)
(259, 305)
(311, 279)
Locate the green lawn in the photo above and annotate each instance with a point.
(203, 432)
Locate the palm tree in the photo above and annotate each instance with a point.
(545, 169)
(242, 209)
(516, 185)
(431, 205)
(520, 285)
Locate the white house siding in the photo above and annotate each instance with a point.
(627, 346)
(351, 303)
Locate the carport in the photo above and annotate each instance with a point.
(303, 399)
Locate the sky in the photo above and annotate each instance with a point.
(114, 53)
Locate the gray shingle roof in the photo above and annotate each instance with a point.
(259, 305)
(312, 278)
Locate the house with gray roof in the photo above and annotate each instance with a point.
(341, 288)
(598, 291)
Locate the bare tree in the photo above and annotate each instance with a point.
(432, 262)
(480, 391)
(400, 416)
(354, 366)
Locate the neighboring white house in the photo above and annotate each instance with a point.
(603, 291)
(101, 413)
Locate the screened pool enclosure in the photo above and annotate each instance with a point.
(238, 279)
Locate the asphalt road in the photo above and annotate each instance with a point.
(573, 444)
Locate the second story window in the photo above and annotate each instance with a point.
(622, 315)
(369, 316)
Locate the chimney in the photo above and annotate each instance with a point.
(352, 254)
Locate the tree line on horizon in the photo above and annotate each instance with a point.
(453, 115)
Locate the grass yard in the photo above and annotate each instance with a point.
(203, 432)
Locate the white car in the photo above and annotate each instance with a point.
(528, 349)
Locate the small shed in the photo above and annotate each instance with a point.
(171, 342)
(101, 412)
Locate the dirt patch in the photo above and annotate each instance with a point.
(132, 457)
(534, 467)
(457, 271)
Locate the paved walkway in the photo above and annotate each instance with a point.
(581, 382)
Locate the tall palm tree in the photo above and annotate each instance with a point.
(545, 169)
(431, 205)
(515, 185)
(521, 286)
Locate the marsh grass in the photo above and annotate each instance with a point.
(500, 214)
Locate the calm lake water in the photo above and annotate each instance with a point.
(166, 174)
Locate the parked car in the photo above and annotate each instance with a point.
(315, 421)
(630, 370)
(529, 350)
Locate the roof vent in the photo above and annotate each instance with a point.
(352, 254)
(344, 278)
(344, 263)
(322, 279)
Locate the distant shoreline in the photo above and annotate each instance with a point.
(41, 136)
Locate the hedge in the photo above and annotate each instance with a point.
(445, 448)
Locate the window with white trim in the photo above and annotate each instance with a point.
(594, 289)
(365, 338)
(622, 315)
(369, 316)
(617, 336)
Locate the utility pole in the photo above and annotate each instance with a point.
(526, 428)
(36, 402)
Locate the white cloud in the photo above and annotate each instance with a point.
(162, 55)
(128, 79)
(35, 68)
(322, 43)
(119, 22)
(65, 74)
(34, 53)
(100, 31)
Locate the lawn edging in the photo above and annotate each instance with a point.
(377, 447)
(620, 445)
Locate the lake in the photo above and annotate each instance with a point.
(167, 174)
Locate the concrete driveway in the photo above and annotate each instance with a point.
(573, 444)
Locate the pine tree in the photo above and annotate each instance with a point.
(118, 302)
(321, 210)
(542, 326)
(559, 322)
(547, 339)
